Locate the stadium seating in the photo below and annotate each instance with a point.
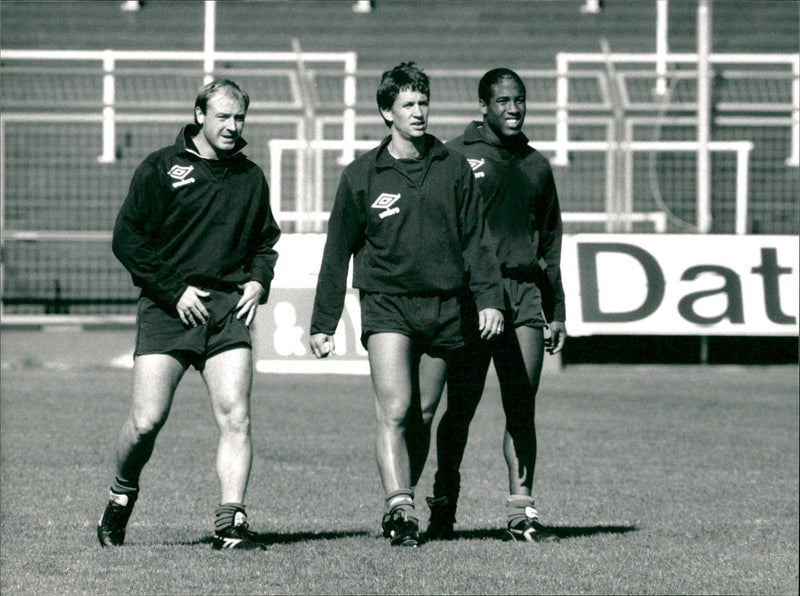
(66, 189)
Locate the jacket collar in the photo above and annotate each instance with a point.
(184, 144)
(477, 132)
(434, 150)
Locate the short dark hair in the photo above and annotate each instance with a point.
(406, 75)
(206, 91)
(492, 78)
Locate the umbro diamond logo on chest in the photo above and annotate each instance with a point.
(179, 173)
(385, 202)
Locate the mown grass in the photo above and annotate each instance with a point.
(675, 480)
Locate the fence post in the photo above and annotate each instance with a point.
(662, 26)
(742, 189)
(561, 157)
(109, 99)
(305, 156)
(704, 218)
(349, 125)
(621, 198)
(209, 38)
(275, 178)
(794, 157)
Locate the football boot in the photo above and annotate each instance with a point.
(111, 528)
(528, 529)
(443, 518)
(400, 528)
(237, 536)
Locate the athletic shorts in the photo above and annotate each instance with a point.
(523, 308)
(162, 332)
(523, 304)
(433, 322)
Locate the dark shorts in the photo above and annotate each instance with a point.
(523, 308)
(160, 331)
(433, 322)
(523, 304)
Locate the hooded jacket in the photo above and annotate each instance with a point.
(194, 221)
(522, 208)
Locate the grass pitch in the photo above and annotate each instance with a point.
(659, 479)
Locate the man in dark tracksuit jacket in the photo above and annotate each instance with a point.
(415, 240)
(411, 215)
(192, 221)
(197, 234)
(523, 215)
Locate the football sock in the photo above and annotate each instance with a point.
(447, 484)
(225, 515)
(516, 505)
(400, 498)
(121, 486)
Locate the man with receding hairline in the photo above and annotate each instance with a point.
(196, 232)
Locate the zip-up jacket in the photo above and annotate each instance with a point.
(193, 221)
(406, 236)
(522, 208)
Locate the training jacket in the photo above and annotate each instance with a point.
(405, 237)
(193, 221)
(521, 204)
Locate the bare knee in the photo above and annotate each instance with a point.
(393, 415)
(143, 426)
(234, 421)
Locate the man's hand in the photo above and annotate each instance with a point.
(558, 337)
(252, 292)
(190, 307)
(490, 323)
(321, 345)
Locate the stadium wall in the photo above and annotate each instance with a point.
(633, 298)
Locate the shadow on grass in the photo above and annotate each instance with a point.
(560, 531)
(273, 538)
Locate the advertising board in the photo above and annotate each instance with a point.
(615, 284)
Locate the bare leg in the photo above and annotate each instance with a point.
(228, 376)
(390, 361)
(155, 378)
(519, 367)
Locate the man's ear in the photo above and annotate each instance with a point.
(483, 106)
(199, 116)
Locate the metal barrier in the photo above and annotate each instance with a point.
(110, 58)
(599, 182)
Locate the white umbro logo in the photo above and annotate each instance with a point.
(180, 173)
(477, 164)
(385, 202)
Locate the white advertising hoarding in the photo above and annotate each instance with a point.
(665, 284)
(615, 284)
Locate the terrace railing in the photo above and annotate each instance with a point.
(74, 126)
